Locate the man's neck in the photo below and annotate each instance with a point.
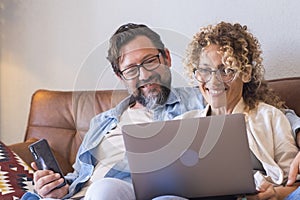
(137, 105)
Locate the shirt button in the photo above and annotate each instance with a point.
(113, 125)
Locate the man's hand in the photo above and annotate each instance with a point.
(294, 170)
(45, 181)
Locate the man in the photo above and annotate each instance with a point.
(295, 166)
(141, 61)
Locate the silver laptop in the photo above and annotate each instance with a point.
(198, 157)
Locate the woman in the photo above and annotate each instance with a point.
(226, 61)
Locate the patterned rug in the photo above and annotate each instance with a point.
(15, 175)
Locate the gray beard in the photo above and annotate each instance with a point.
(153, 101)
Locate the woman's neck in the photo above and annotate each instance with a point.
(220, 111)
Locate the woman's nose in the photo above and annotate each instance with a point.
(215, 80)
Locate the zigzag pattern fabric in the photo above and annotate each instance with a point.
(15, 175)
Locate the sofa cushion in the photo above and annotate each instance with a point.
(15, 175)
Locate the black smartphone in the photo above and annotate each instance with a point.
(44, 158)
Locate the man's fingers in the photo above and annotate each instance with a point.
(42, 175)
(33, 165)
(292, 176)
(58, 193)
(294, 170)
(47, 190)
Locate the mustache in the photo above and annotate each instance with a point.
(151, 79)
(151, 102)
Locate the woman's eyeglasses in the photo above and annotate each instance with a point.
(204, 75)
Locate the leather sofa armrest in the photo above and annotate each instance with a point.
(21, 149)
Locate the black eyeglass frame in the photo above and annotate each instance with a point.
(217, 72)
(138, 66)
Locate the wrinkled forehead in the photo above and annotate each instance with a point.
(136, 49)
(139, 43)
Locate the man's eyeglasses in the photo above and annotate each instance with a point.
(204, 75)
(149, 64)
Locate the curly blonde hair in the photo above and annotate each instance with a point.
(240, 50)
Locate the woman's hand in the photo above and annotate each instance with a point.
(268, 192)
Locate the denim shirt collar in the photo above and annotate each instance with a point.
(173, 98)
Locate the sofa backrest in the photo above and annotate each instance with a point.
(289, 91)
(63, 117)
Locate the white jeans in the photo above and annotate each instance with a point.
(115, 189)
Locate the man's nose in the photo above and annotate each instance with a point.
(144, 74)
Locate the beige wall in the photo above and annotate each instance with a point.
(61, 44)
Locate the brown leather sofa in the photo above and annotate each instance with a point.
(63, 117)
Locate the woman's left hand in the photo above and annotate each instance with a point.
(266, 192)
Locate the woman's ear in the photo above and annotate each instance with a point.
(246, 75)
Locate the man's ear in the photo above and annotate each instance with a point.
(168, 58)
(119, 78)
(124, 82)
(246, 75)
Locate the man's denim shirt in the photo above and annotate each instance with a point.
(294, 121)
(179, 101)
